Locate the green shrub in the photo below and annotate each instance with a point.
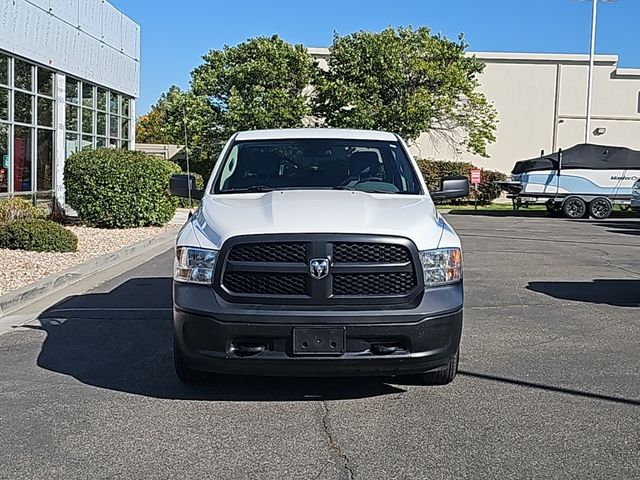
(434, 170)
(38, 235)
(120, 188)
(16, 208)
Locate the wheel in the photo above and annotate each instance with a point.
(574, 207)
(553, 208)
(600, 208)
(444, 376)
(184, 373)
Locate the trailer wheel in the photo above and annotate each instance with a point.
(554, 209)
(574, 208)
(600, 208)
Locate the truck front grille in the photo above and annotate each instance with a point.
(370, 253)
(373, 283)
(369, 270)
(268, 252)
(266, 283)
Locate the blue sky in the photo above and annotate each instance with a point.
(175, 34)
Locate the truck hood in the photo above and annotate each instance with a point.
(314, 211)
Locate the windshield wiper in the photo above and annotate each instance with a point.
(353, 189)
(254, 188)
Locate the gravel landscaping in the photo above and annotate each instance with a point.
(19, 268)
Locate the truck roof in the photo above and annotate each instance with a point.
(333, 133)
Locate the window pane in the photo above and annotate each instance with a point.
(113, 143)
(72, 144)
(87, 95)
(45, 81)
(23, 75)
(126, 105)
(72, 90)
(45, 112)
(87, 142)
(113, 103)
(101, 142)
(113, 126)
(22, 159)
(124, 145)
(4, 104)
(102, 99)
(4, 69)
(102, 124)
(44, 172)
(72, 118)
(24, 108)
(125, 128)
(4, 158)
(87, 120)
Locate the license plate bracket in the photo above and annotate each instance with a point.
(318, 341)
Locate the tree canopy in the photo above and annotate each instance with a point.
(153, 127)
(406, 81)
(402, 80)
(261, 83)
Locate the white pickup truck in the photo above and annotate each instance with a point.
(317, 252)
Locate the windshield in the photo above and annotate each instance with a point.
(368, 166)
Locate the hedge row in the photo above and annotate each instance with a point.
(37, 235)
(16, 208)
(434, 170)
(26, 227)
(120, 188)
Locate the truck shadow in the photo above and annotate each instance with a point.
(122, 340)
(625, 227)
(621, 293)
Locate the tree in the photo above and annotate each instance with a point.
(406, 81)
(261, 83)
(153, 127)
(165, 124)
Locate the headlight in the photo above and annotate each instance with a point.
(194, 265)
(441, 266)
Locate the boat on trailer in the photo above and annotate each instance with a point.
(581, 181)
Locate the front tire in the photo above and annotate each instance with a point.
(574, 208)
(444, 376)
(183, 371)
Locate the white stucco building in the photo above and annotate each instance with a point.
(69, 77)
(541, 103)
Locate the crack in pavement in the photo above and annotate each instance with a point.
(603, 256)
(524, 311)
(333, 445)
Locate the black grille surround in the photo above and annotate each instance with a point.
(274, 270)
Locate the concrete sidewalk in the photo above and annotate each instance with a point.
(82, 276)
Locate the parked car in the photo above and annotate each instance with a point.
(635, 196)
(317, 252)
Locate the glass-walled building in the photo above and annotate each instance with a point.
(69, 76)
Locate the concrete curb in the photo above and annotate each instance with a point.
(12, 300)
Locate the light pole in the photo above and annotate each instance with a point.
(592, 51)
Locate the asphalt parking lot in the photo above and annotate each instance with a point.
(549, 384)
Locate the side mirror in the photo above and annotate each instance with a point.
(181, 185)
(452, 187)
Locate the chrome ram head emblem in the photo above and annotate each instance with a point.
(319, 268)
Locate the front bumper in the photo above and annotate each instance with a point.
(211, 332)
